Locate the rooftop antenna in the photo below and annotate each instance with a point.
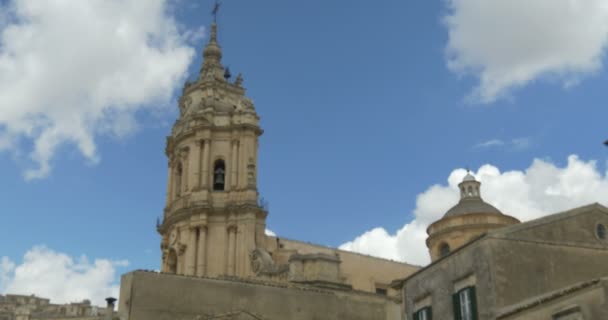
(216, 9)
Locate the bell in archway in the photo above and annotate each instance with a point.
(219, 177)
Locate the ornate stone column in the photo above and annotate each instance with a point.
(205, 166)
(234, 164)
(195, 165)
(201, 263)
(231, 249)
(191, 252)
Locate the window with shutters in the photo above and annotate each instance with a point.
(465, 304)
(425, 313)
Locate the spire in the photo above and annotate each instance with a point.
(212, 58)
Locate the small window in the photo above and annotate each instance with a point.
(600, 231)
(425, 313)
(381, 291)
(465, 304)
(444, 249)
(219, 175)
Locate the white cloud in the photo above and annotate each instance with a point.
(509, 43)
(6, 269)
(513, 144)
(71, 70)
(60, 277)
(269, 232)
(543, 188)
(490, 143)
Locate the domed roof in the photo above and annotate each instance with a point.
(470, 199)
(469, 205)
(468, 177)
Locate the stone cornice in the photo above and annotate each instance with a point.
(173, 141)
(185, 213)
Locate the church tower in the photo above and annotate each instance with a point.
(212, 219)
(468, 219)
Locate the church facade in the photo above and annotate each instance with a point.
(218, 262)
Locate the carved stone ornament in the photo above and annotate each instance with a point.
(181, 249)
(184, 104)
(251, 173)
(263, 265)
(173, 237)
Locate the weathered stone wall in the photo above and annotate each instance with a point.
(153, 296)
(590, 302)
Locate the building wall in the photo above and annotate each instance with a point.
(153, 296)
(436, 284)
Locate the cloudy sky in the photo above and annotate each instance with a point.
(371, 112)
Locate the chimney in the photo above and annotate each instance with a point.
(110, 308)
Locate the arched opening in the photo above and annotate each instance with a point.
(470, 191)
(219, 175)
(172, 262)
(179, 172)
(444, 249)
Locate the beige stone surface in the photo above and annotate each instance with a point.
(153, 296)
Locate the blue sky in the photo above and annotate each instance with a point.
(364, 105)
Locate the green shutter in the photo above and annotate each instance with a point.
(417, 315)
(430, 313)
(473, 302)
(456, 300)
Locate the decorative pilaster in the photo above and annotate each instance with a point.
(234, 164)
(184, 155)
(231, 249)
(169, 185)
(201, 264)
(205, 170)
(195, 164)
(191, 253)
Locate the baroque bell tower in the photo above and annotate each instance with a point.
(212, 220)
